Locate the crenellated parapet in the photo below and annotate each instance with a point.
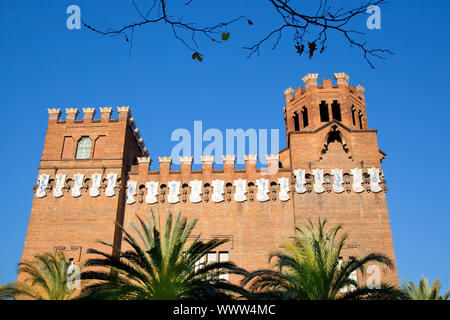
(310, 107)
(72, 115)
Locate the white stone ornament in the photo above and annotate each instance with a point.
(338, 178)
(77, 184)
(357, 180)
(284, 188)
(131, 191)
(300, 176)
(152, 191)
(263, 189)
(240, 190)
(112, 180)
(318, 180)
(374, 179)
(218, 190)
(196, 190)
(174, 191)
(96, 182)
(59, 184)
(42, 185)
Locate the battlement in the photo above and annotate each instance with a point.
(88, 115)
(308, 108)
(311, 85)
(64, 134)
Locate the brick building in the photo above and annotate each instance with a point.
(94, 172)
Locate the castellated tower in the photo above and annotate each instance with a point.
(96, 172)
(81, 182)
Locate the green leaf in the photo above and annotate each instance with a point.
(198, 56)
(225, 36)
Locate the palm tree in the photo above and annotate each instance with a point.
(160, 268)
(424, 291)
(7, 292)
(310, 268)
(48, 278)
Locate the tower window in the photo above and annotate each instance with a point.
(360, 120)
(84, 148)
(336, 110)
(324, 116)
(296, 122)
(353, 116)
(305, 117)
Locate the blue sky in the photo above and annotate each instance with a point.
(43, 64)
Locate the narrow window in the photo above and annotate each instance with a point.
(305, 117)
(84, 148)
(296, 122)
(360, 120)
(199, 264)
(336, 110)
(324, 116)
(353, 116)
(223, 257)
(211, 257)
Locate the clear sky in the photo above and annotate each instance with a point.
(45, 65)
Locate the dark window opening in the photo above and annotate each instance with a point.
(360, 121)
(353, 116)
(334, 136)
(296, 122)
(305, 117)
(324, 116)
(336, 110)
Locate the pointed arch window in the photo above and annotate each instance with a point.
(84, 148)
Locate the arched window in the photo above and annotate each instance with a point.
(296, 122)
(305, 117)
(84, 148)
(360, 120)
(336, 110)
(324, 117)
(353, 115)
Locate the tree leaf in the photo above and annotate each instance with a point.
(198, 56)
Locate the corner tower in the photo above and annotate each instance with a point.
(81, 181)
(336, 157)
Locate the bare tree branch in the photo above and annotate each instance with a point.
(309, 31)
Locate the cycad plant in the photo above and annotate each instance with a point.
(309, 268)
(160, 266)
(424, 291)
(47, 277)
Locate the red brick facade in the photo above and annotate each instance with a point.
(73, 222)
